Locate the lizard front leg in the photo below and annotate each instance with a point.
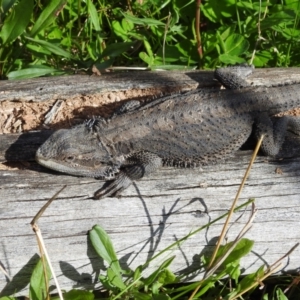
(135, 167)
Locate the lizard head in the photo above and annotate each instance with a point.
(78, 151)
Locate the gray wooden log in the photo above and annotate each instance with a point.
(62, 87)
(148, 217)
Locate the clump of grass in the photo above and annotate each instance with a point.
(69, 36)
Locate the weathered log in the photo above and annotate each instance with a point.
(150, 215)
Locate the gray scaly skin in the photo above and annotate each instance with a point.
(182, 130)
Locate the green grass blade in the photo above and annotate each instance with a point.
(143, 21)
(94, 15)
(52, 48)
(17, 21)
(32, 72)
(47, 16)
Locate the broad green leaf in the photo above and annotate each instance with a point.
(104, 248)
(17, 21)
(242, 248)
(123, 29)
(79, 295)
(137, 273)
(230, 59)
(38, 48)
(51, 47)
(32, 72)
(280, 18)
(116, 49)
(148, 48)
(280, 295)
(214, 10)
(250, 279)
(236, 45)
(105, 64)
(172, 54)
(119, 30)
(161, 297)
(127, 25)
(6, 5)
(8, 298)
(143, 21)
(37, 288)
(233, 270)
(140, 296)
(47, 16)
(107, 284)
(145, 57)
(115, 279)
(293, 4)
(166, 277)
(261, 58)
(94, 15)
(149, 280)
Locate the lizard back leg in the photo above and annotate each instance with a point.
(136, 167)
(274, 131)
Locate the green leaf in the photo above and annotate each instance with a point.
(104, 248)
(47, 16)
(143, 21)
(242, 248)
(280, 18)
(149, 280)
(166, 277)
(127, 25)
(37, 288)
(115, 279)
(119, 30)
(261, 58)
(32, 72)
(141, 296)
(230, 59)
(51, 47)
(116, 49)
(6, 5)
(236, 45)
(146, 58)
(250, 279)
(17, 21)
(148, 48)
(137, 273)
(38, 48)
(94, 15)
(172, 54)
(7, 298)
(233, 270)
(79, 295)
(280, 295)
(214, 10)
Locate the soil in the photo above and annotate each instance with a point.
(22, 116)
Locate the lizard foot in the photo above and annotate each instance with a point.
(114, 187)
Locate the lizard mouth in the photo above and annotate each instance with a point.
(72, 170)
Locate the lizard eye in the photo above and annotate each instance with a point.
(70, 158)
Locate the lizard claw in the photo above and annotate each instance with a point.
(113, 188)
